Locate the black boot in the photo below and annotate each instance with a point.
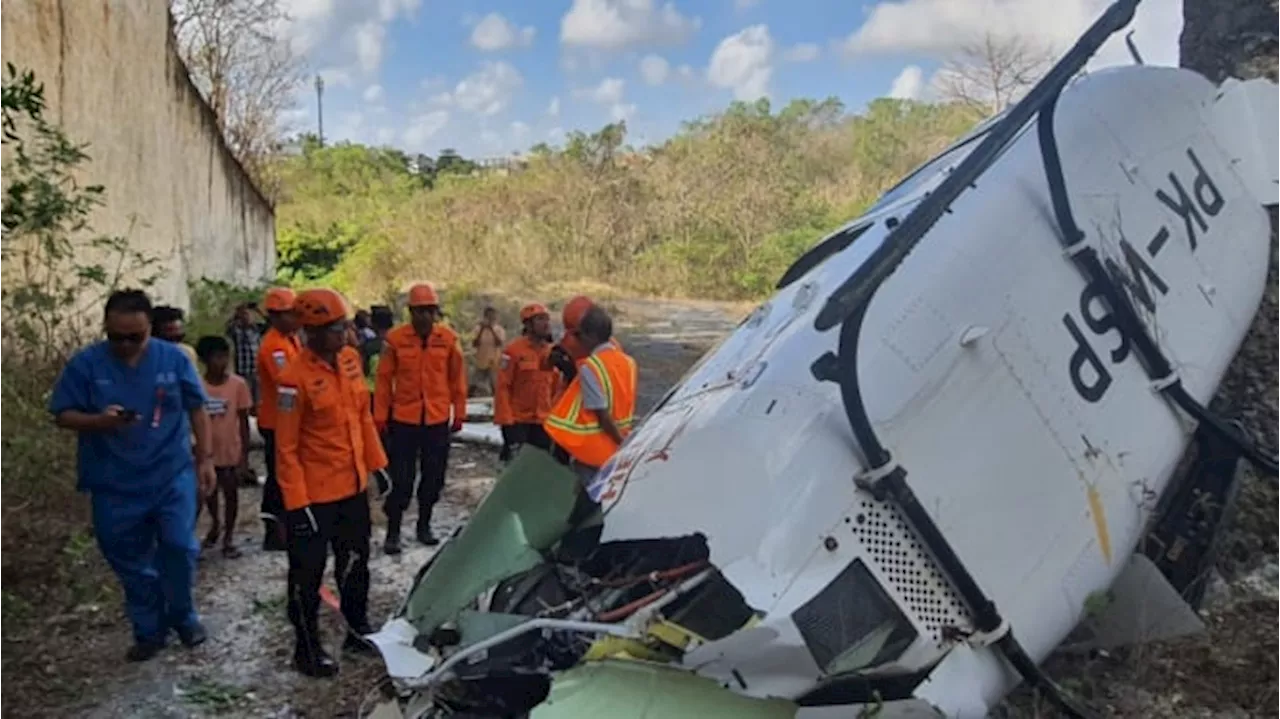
(424, 534)
(273, 536)
(310, 659)
(391, 545)
(356, 642)
(142, 651)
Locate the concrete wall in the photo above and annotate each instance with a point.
(113, 78)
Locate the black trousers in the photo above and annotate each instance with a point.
(416, 449)
(343, 525)
(516, 435)
(272, 508)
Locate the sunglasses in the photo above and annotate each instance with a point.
(119, 338)
(337, 328)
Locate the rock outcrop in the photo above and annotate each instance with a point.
(1230, 38)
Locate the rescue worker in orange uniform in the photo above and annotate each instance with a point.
(526, 382)
(594, 414)
(420, 399)
(279, 345)
(568, 353)
(326, 449)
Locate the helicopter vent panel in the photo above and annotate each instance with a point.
(909, 568)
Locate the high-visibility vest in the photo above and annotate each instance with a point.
(577, 430)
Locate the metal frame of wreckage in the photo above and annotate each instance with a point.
(886, 478)
(631, 628)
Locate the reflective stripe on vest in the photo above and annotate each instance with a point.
(578, 430)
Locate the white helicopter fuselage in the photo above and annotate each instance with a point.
(1030, 433)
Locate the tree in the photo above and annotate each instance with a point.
(993, 72)
(245, 69)
(451, 163)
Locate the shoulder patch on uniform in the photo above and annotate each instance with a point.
(279, 357)
(286, 398)
(505, 361)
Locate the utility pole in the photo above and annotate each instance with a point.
(320, 106)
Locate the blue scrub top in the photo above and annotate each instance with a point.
(147, 455)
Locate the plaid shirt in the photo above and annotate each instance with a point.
(246, 341)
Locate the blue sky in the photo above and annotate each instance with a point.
(493, 77)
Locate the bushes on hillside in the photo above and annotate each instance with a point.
(719, 210)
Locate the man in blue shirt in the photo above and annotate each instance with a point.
(134, 403)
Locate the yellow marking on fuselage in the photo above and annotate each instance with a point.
(1100, 522)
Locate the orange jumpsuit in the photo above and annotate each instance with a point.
(421, 385)
(274, 353)
(522, 397)
(326, 448)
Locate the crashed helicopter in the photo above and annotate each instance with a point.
(956, 430)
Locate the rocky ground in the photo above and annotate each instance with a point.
(75, 667)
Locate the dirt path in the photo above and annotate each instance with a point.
(244, 668)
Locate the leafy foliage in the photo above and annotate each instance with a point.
(57, 272)
(212, 304)
(719, 210)
(336, 197)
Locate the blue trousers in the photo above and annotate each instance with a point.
(149, 540)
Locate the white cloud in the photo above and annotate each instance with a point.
(553, 108)
(654, 69)
(350, 125)
(373, 94)
(424, 127)
(485, 92)
(609, 93)
(345, 34)
(336, 77)
(909, 84)
(685, 73)
(519, 133)
(743, 63)
(940, 27)
(494, 32)
(802, 52)
(369, 39)
(619, 24)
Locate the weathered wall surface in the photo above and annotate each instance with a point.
(113, 78)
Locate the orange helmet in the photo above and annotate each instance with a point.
(320, 307)
(574, 310)
(279, 299)
(532, 310)
(423, 295)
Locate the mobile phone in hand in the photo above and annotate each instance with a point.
(129, 414)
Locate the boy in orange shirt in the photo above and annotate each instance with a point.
(228, 403)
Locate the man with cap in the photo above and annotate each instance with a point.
(278, 346)
(327, 448)
(568, 353)
(526, 381)
(594, 414)
(420, 399)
